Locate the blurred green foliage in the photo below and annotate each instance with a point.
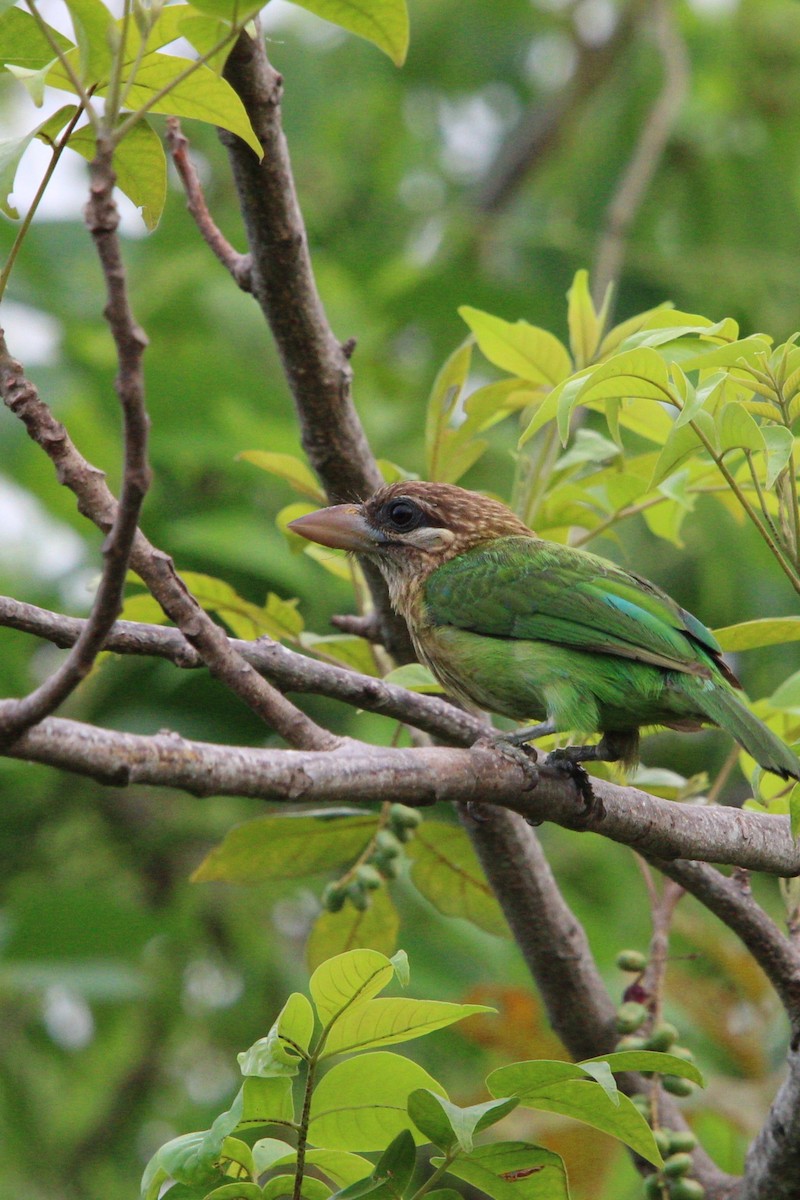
(124, 989)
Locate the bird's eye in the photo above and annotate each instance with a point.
(403, 515)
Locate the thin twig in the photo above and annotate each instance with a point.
(647, 153)
(155, 568)
(238, 265)
(102, 218)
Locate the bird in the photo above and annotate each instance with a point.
(516, 625)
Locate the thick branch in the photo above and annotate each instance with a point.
(317, 366)
(102, 219)
(772, 1167)
(361, 773)
(157, 570)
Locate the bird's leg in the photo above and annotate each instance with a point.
(529, 734)
(611, 748)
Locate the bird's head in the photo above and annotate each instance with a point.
(411, 528)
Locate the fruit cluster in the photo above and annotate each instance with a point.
(381, 862)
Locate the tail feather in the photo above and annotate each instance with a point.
(724, 707)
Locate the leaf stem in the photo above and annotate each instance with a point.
(302, 1135)
(57, 151)
(435, 1177)
(63, 59)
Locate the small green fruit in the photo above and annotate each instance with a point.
(357, 895)
(677, 1086)
(686, 1189)
(332, 898)
(662, 1140)
(663, 1037)
(400, 815)
(631, 1042)
(631, 1016)
(387, 844)
(654, 1187)
(631, 960)
(370, 876)
(681, 1141)
(677, 1165)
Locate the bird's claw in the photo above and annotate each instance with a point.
(570, 764)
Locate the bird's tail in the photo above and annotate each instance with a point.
(723, 706)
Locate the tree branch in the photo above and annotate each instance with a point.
(237, 265)
(102, 219)
(317, 366)
(638, 175)
(96, 502)
(772, 1166)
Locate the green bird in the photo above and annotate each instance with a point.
(531, 629)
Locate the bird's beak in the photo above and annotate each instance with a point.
(342, 526)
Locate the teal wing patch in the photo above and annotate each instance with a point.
(521, 587)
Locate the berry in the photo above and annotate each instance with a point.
(677, 1165)
(630, 1016)
(677, 1086)
(686, 1189)
(369, 876)
(333, 898)
(631, 960)
(681, 1141)
(662, 1037)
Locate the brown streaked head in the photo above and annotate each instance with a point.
(412, 526)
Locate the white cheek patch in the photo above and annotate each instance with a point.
(430, 539)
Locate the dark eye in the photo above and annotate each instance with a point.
(403, 515)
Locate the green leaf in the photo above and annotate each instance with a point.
(415, 678)
(647, 1060)
(185, 1159)
(766, 631)
(140, 165)
(242, 1190)
(276, 619)
(738, 430)
(513, 1171)
(12, 150)
(638, 374)
(34, 82)
(445, 1123)
(382, 22)
(683, 443)
(347, 980)
(558, 1087)
(712, 357)
(383, 1022)
(342, 1168)
(779, 443)
(788, 694)
(283, 1185)
(361, 1103)
(24, 43)
(93, 22)
(288, 467)
(237, 11)
(269, 1152)
(285, 847)
(794, 810)
(375, 928)
(279, 1053)
(391, 1175)
(445, 869)
(442, 402)
(259, 1101)
(522, 349)
(601, 1072)
(584, 322)
(355, 652)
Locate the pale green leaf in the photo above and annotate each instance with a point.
(513, 1171)
(415, 678)
(794, 810)
(683, 443)
(387, 1021)
(445, 1123)
(347, 980)
(375, 928)
(445, 394)
(269, 1152)
(525, 350)
(766, 631)
(24, 43)
(140, 166)
(283, 1186)
(584, 322)
(382, 22)
(745, 350)
(493, 401)
(779, 443)
(279, 1053)
(185, 1159)
(285, 847)
(445, 869)
(204, 33)
(11, 151)
(737, 430)
(601, 1072)
(787, 695)
(235, 11)
(340, 1166)
(354, 652)
(277, 618)
(361, 1103)
(241, 1189)
(553, 1087)
(93, 22)
(647, 1060)
(34, 82)
(288, 467)
(616, 337)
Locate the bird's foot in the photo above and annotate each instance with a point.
(520, 754)
(521, 737)
(569, 760)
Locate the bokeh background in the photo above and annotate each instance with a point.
(125, 990)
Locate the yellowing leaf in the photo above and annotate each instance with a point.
(584, 322)
(140, 166)
(445, 868)
(385, 1021)
(382, 22)
(375, 928)
(348, 980)
(285, 847)
(522, 349)
(738, 430)
(767, 631)
(288, 467)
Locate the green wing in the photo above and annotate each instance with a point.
(520, 587)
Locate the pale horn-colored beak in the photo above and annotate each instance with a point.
(342, 526)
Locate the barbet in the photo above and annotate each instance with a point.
(536, 630)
